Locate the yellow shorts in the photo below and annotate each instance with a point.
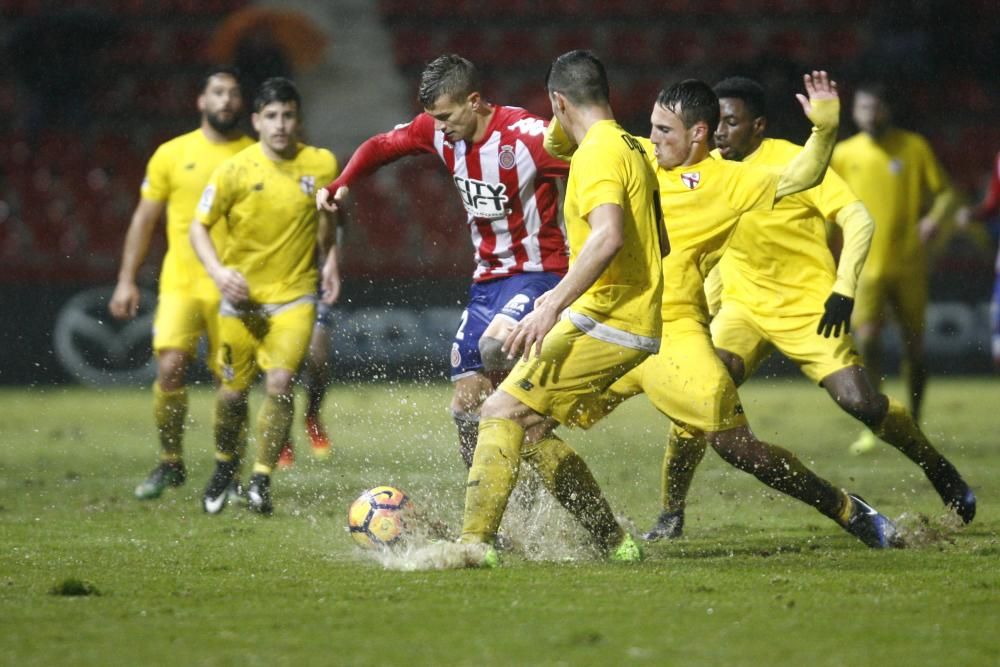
(573, 369)
(686, 381)
(906, 295)
(180, 322)
(752, 337)
(266, 341)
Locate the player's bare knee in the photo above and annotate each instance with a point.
(171, 367)
(867, 411)
(232, 397)
(494, 358)
(733, 447)
(279, 382)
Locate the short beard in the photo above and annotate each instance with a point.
(221, 126)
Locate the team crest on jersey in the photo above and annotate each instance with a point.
(482, 199)
(308, 184)
(691, 179)
(506, 157)
(456, 355)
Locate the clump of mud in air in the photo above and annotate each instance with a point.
(920, 530)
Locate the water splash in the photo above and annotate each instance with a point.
(919, 530)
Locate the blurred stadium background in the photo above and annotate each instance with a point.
(88, 89)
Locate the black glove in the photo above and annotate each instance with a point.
(836, 314)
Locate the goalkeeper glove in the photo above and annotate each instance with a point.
(836, 314)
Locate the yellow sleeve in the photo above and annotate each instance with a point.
(944, 205)
(216, 197)
(713, 290)
(599, 179)
(807, 168)
(156, 182)
(858, 228)
(557, 143)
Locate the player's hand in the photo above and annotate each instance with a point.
(541, 299)
(963, 217)
(330, 286)
(325, 203)
(927, 229)
(836, 315)
(124, 303)
(821, 103)
(232, 285)
(530, 332)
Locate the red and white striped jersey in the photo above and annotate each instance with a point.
(506, 181)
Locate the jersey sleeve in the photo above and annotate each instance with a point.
(411, 138)
(752, 187)
(218, 195)
(546, 163)
(830, 196)
(600, 180)
(156, 182)
(932, 174)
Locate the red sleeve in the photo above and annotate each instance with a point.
(414, 137)
(991, 204)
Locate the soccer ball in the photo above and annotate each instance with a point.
(378, 517)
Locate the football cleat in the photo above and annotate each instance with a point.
(168, 473)
(669, 525)
(217, 491)
(259, 494)
(491, 558)
(318, 438)
(627, 551)
(868, 525)
(865, 443)
(480, 555)
(964, 505)
(286, 458)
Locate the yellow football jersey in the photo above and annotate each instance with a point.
(701, 205)
(780, 257)
(896, 176)
(177, 174)
(270, 215)
(611, 167)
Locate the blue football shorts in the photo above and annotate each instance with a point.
(511, 298)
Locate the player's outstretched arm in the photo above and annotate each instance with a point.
(557, 143)
(124, 302)
(858, 227)
(821, 106)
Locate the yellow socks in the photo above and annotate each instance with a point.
(230, 427)
(274, 422)
(569, 480)
(170, 411)
(681, 457)
(491, 478)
